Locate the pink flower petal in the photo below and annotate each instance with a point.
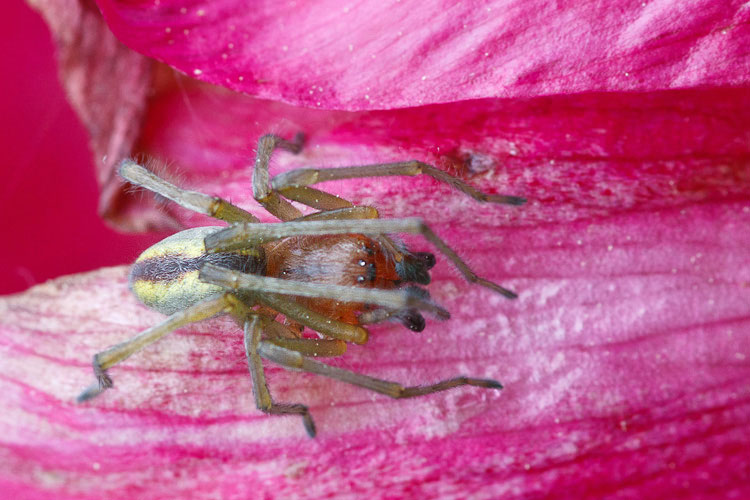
(375, 55)
(626, 371)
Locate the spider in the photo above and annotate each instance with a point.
(334, 271)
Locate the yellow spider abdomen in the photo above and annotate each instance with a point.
(165, 276)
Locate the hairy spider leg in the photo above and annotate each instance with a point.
(263, 400)
(257, 348)
(225, 303)
(249, 234)
(268, 196)
(108, 358)
(213, 206)
(286, 337)
(294, 184)
(348, 213)
(263, 194)
(317, 348)
(294, 360)
(289, 182)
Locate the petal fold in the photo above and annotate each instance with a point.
(383, 55)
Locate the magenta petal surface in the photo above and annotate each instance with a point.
(625, 364)
(376, 55)
(625, 358)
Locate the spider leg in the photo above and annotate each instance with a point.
(106, 359)
(269, 196)
(242, 282)
(317, 348)
(291, 183)
(286, 337)
(262, 193)
(347, 213)
(297, 361)
(315, 198)
(263, 399)
(212, 206)
(250, 234)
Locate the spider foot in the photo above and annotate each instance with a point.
(91, 392)
(105, 382)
